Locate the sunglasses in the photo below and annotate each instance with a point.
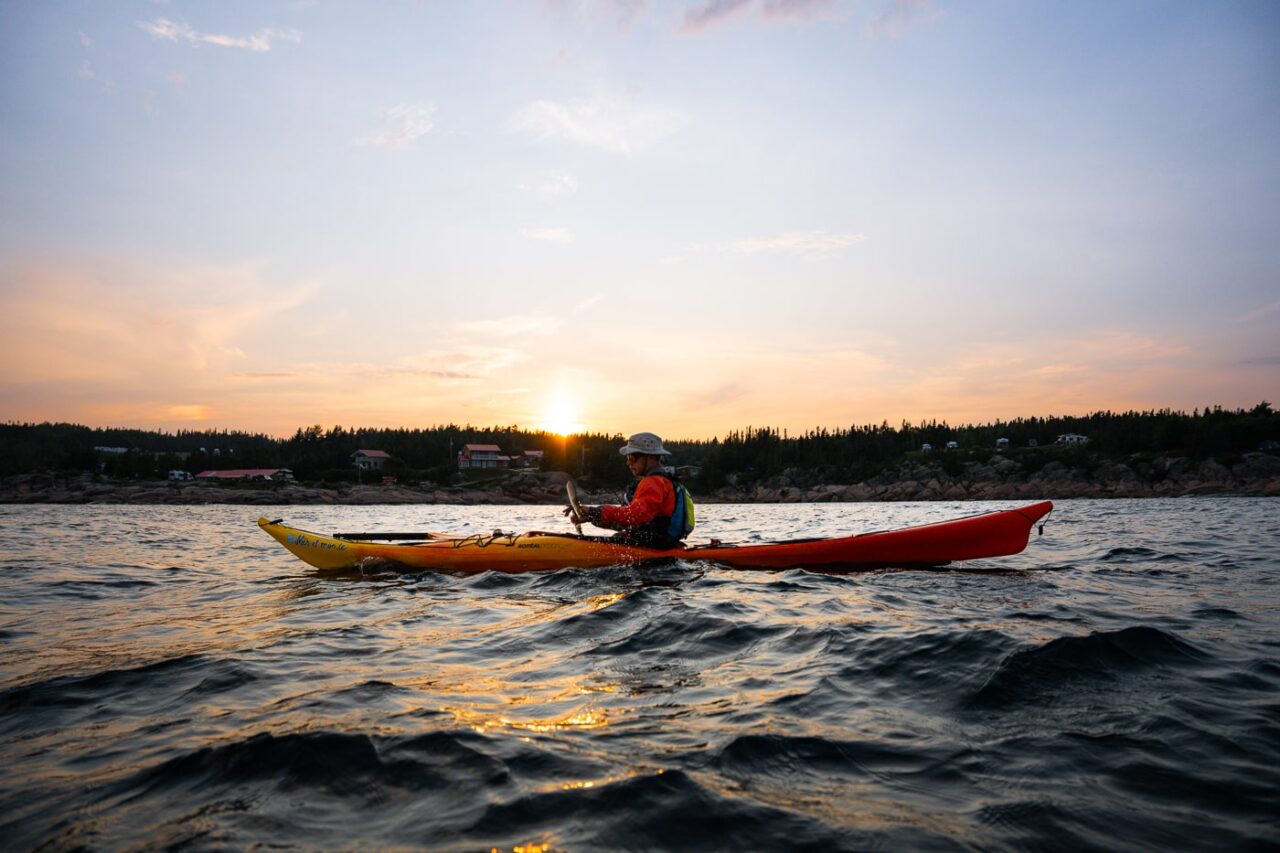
(634, 457)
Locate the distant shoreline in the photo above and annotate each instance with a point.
(1255, 474)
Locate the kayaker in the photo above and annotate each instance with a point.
(659, 511)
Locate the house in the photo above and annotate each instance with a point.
(247, 474)
(370, 460)
(482, 456)
(953, 445)
(1002, 444)
(532, 459)
(688, 472)
(179, 475)
(926, 447)
(1072, 438)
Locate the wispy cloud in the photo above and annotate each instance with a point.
(468, 361)
(797, 242)
(508, 327)
(143, 319)
(164, 29)
(619, 12)
(712, 12)
(720, 395)
(612, 123)
(550, 235)
(188, 412)
(796, 10)
(401, 125)
(86, 70)
(1259, 313)
(897, 15)
(559, 183)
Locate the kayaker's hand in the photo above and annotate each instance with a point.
(590, 515)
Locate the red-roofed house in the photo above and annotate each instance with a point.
(370, 460)
(482, 456)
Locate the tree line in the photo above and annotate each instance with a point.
(835, 455)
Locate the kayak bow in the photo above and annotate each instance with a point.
(991, 534)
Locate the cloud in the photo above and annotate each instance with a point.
(513, 326)
(893, 20)
(797, 242)
(401, 125)
(620, 12)
(86, 41)
(147, 321)
(552, 184)
(187, 412)
(720, 395)
(164, 29)
(607, 122)
(550, 235)
(468, 361)
(1259, 313)
(711, 13)
(587, 304)
(796, 10)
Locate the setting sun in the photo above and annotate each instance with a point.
(561, 417)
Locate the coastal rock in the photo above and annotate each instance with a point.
(1257, 466)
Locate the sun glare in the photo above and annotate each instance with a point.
(561, 417)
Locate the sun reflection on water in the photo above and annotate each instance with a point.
(586, 718)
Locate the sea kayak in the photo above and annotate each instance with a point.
(990, 534)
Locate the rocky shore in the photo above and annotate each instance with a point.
(1002, 478)
(999, 478)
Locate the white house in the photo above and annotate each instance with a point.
(247, 474)
(1072, 438)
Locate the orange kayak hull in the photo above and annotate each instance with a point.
(991, 534)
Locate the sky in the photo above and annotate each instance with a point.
(624, 215)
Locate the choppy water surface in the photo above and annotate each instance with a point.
(172, 677)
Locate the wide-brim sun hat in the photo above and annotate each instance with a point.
(644, 442)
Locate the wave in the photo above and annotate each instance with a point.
(1098, 658)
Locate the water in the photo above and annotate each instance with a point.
(173, 678)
